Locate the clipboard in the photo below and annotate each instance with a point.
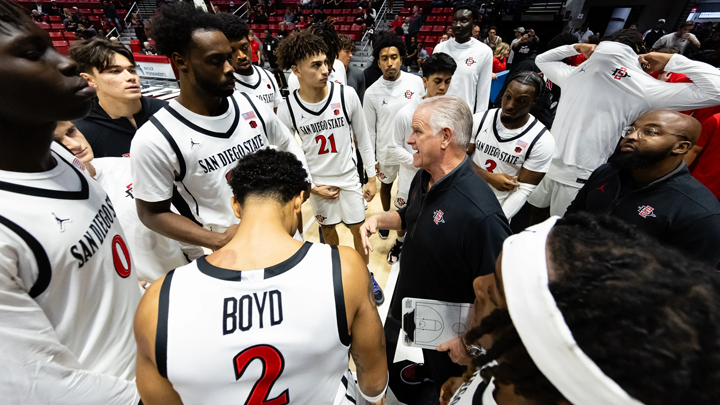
(428, 323)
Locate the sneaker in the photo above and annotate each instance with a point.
(377, 291)
(394, 253)
(384, 234)
(414, 374)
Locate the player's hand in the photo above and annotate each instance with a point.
(449, 388)
(457, 351)
(370, 189)
(503, 181)
(654, 61)
(585, 49)
(525, 38)
(494, 76)
(368, 229)
(226, 237)
(664, 76)
(326, 192)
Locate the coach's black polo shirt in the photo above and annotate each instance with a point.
(676, 209)
(455, 232)
(112, 138)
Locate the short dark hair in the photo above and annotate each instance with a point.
(173, 28)
(585, 25)
(438, 63)
(561, 39)
(530, 78)
(631, 38)
(386, 40)
(492, 27)
(472, 7)
(399, 31)
(618, 288)
(268, 173)
(233, 27)
(347, 44)
(97, 53)
(12, 13)
(687, 24)
(294, 48)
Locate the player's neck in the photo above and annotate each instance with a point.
(462, 40)
(313, 94)
(27, 149)
(516, 123)
(117, 108)
(201, 102)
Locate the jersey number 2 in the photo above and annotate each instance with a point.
(323, 144)
(273, 366)
(490, 165)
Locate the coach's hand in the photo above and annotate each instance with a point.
(457, 351)
(326, 192)
(502, 181)
(370, 189)
(368, 229)
(654, 61)
(585, 49)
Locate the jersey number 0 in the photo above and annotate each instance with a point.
(273, 366)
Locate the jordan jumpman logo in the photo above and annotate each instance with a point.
(61, 222)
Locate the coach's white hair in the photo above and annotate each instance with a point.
(450, 112)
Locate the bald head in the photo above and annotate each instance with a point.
(672, 122)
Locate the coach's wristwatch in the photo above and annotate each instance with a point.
(474, 351)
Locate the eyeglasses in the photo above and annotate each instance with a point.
(645, 132)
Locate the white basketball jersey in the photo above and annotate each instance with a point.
(255, 336)
(261, 85)
(153, 254)
(206, 150)
(326, 136)
(498, 154)
(64, 247)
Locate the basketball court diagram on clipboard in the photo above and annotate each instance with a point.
(428, 323)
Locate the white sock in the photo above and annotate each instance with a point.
(401, 239)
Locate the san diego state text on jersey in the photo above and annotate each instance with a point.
(100, 226)
(497, 153)
(238, 313)
(233, 154)
(314, 127)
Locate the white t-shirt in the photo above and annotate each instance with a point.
(473, 77)
(260, 84)
(326, 130)
(582, 36)
(674, 41)
(382, 101)
(67, 290)
(400, 149)
(153, 254)
(608, 92)
(207, 148)
(512, 51)
(502, 150)
(338, 75)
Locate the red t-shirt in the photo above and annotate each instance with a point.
(302, 25)
(577, 60)
(706, 168)
(499, 65)
(701, 114)
(396, 24)
(255, 48)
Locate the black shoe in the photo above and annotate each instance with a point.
(414, 374)
(394, 253)
(377, 291)
(384, 234)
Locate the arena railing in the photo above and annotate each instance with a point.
(129, 13)
(365, 41)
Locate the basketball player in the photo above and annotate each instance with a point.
(249, 79)
(184, 154)
(67, 283)
(325, 115)
(275, 344)
(438, 71)
(337, 74)
(153, 254)
(510, 148)
(383, 99)
(474, 59)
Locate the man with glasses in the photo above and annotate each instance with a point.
(647, 184)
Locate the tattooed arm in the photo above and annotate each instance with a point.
(366, 331)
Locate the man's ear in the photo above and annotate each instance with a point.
(237, 209)
(295, 70)
(682, 147)
(90, 79)
(179, 62)
(298, 202)
(447, 137)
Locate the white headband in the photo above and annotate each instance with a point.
(541, 325)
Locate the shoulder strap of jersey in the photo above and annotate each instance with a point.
(272, 82)
(161, 335)
(292, 114)
(482, 121)
(262, 121)
(532, 144)
(340, 313)
(181, 160)
(41, 257)
(342, 102)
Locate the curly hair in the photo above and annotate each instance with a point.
(629, 37)
(471, 7)
(295, 48)
(97, 53)
(13, 14)
(174, 26)
(233, 27)
(268, 173)
(387, 40)
(326, 31)
(647, 315)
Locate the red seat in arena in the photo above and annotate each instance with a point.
(54, 35)
(353, 37)
(425, 28)
(447, 10)
(69, 35)
(86, 11)
(99, 12)
(57, 27)
(430, 20)
(438, 28)
(55, 19)
(441, 19)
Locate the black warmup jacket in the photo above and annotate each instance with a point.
(455, 232)
(112, 138)
(676, 209)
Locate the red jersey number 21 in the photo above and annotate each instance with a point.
(323, 144)
(273, 365)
